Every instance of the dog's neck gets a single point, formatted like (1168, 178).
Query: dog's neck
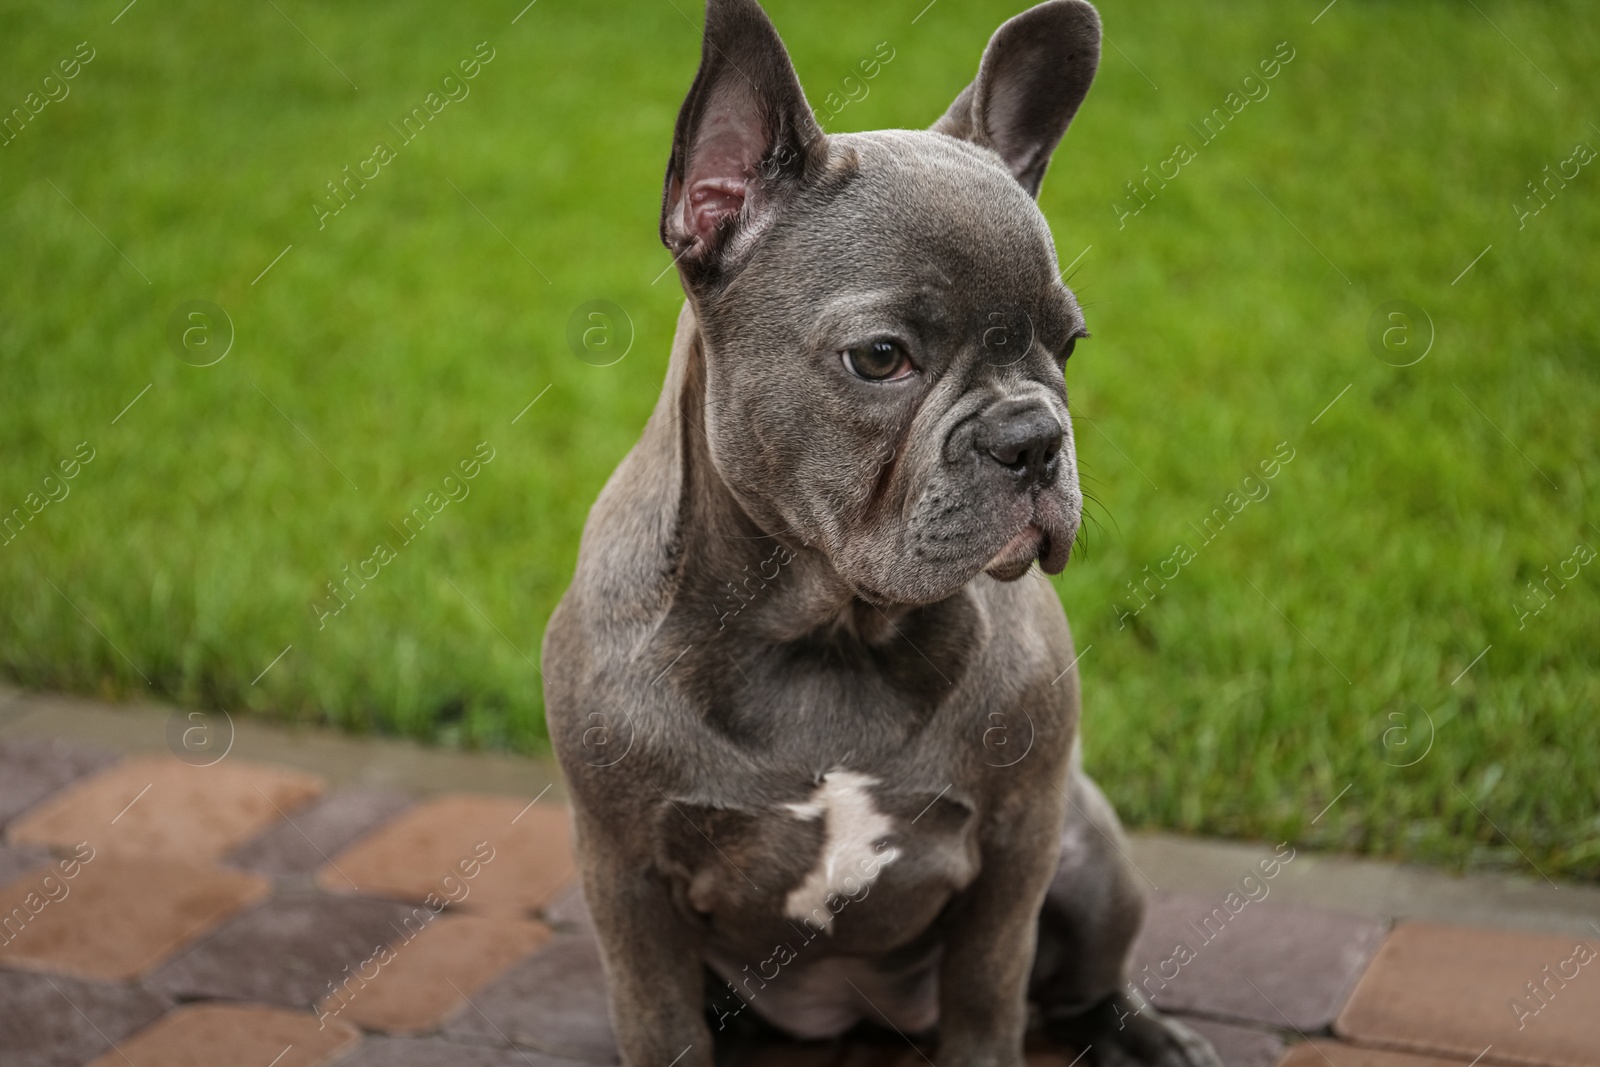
(738, 577)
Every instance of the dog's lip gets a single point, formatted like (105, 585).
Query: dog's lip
(1059, 519)
(1018, 555)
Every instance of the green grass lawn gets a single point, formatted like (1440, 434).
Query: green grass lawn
(1310, 645)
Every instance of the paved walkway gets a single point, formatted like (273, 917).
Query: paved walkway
(177, 889)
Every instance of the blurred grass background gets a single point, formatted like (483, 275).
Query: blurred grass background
(1277, 687)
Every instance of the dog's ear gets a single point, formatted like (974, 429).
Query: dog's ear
(745, 139)
(1034, 74)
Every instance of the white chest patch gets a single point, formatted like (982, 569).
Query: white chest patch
(851, 859)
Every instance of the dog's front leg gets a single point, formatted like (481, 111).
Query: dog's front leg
(653, 967)
(983, 977)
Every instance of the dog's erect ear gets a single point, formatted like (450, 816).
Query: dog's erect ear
(745, 139)
(1034, 74)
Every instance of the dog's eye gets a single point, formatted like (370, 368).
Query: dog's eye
(879, 361)
(1066, 350)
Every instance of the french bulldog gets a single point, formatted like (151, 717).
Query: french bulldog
(817, 712)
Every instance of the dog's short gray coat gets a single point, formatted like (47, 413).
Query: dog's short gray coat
(816, 711)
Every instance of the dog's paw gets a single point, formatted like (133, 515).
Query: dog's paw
(1115, 1033)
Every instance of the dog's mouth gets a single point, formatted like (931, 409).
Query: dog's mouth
(1033, 543)
(1042, 539)
(1013, 561)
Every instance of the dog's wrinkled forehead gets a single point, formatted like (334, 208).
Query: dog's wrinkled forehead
(915, 218)
(749, 162)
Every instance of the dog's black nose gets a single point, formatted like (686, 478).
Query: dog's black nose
(1023, 437)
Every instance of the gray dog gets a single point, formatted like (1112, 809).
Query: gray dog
(821, 742)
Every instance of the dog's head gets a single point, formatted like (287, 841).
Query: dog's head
(885, 327)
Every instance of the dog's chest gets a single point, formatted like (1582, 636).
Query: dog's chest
(855, 861)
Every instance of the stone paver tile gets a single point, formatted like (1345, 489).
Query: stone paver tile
(570, 910)
(56, 1021)
(435, 1052)
(115, 916)
(301, 843)
(32, 770)
(422, 980)
(18, 861)
(1200, 955)
(495, 856)
(1237, 1046)
(554, 1001)
(159, 804)
(1456, 989)
(205, 1035)
(289, 950)
(1325, 1053)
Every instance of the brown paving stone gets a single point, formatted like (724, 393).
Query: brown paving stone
(118, 915)
(554, 1001)
(1450, 990)
(435, 1052)
(56, 1021)
(287, 950)
(161, 805)
(438, 849)
(301, 843)
(1303, 961)
(204, 1035)
(32, 770)
(1324, 1053)
(21, 860)
(422, 980)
